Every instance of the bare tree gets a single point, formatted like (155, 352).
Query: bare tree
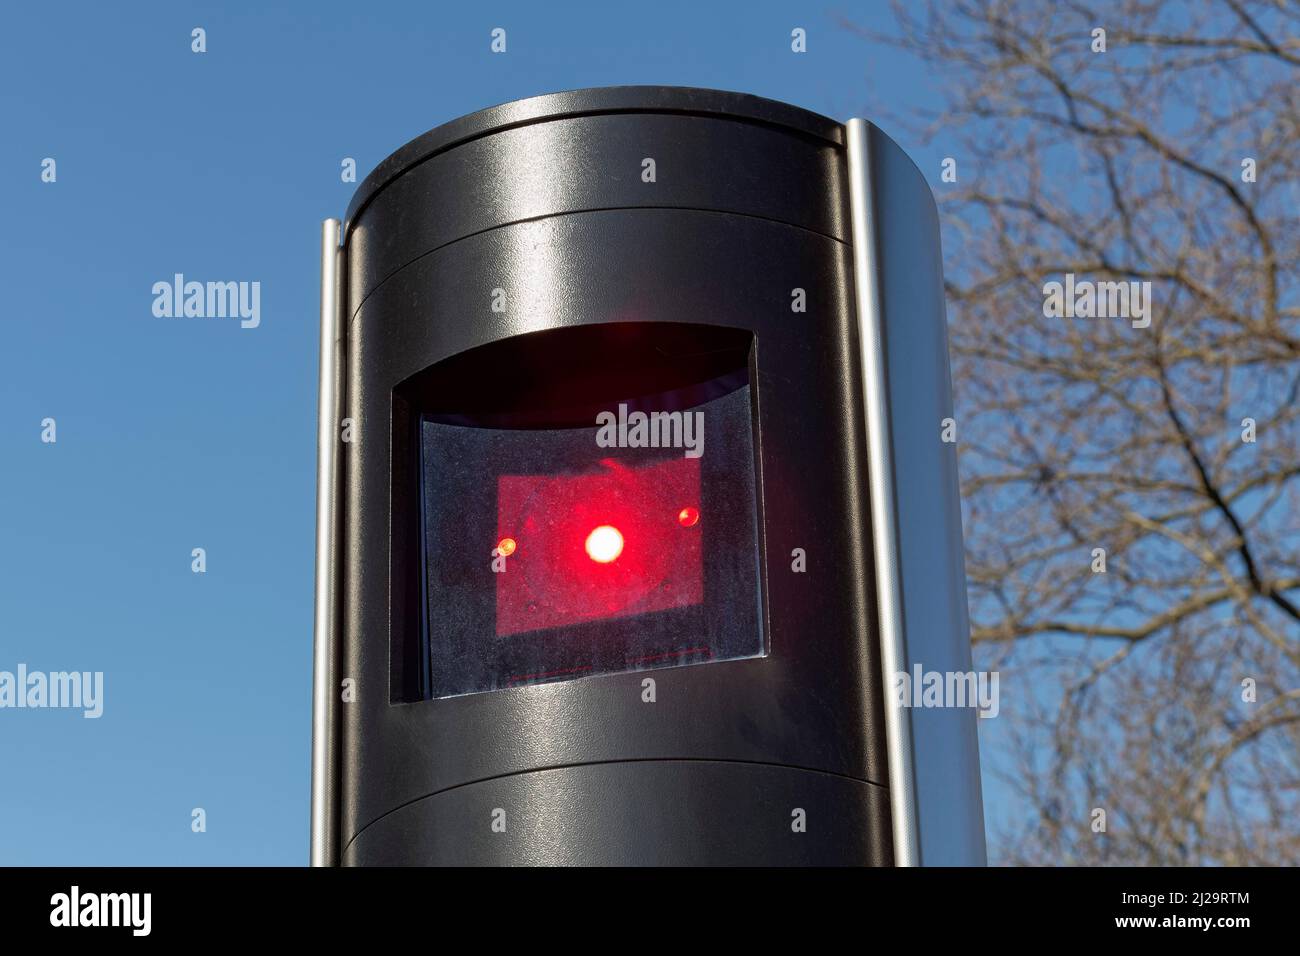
(1165, 690)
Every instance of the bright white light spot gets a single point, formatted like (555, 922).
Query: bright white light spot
(604, 544)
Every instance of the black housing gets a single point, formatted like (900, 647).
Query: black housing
(545, 199)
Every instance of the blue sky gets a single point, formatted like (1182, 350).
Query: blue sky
(177, 435)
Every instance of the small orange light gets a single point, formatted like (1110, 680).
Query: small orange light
(688, 517)
(604, 544)
(506, 547)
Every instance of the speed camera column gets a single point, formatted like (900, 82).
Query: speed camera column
(607, 590)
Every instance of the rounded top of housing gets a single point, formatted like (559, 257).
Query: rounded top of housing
(679, 100)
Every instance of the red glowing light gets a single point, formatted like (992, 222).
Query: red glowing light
(604, 544)
(559, 579)
(688, 517)
(506, 547)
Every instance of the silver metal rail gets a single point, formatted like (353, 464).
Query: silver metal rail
(934, 776)
(329, 412)
(893, 658)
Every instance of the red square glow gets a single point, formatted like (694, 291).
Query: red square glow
(614, 543)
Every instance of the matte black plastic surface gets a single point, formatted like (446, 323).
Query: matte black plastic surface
(594, 162)
(657, 813)
(672, 100)
(432, 260)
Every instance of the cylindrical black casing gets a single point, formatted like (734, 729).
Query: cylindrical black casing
(545, 199)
